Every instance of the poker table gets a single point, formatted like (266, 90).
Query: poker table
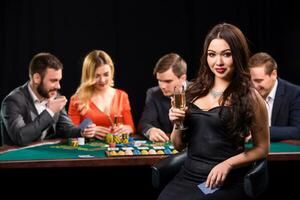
(284, 150)
(56, 153)
(53, 166)
(48, 162)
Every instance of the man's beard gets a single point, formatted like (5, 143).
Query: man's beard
(42, 91)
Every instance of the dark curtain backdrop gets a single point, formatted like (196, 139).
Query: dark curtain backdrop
(136, 34)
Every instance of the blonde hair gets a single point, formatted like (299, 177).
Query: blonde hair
(92, 61)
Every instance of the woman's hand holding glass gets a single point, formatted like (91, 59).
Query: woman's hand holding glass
(177, 116)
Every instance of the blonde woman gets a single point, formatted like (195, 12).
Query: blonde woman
(96, 98)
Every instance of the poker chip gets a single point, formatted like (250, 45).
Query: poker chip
(81, 141)
(125, 151)
(144, 152)
(160, 152)
(128, 152)
(168, 151)
(74, 143)
(152, 152)
(117, 148)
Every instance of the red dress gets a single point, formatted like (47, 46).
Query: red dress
(120, 106)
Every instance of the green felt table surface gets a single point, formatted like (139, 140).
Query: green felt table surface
(58, 151)
(51, 151)
(277, 147)
(93, 149)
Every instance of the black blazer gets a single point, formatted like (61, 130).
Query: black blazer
(156, 112)
(285, 119)
(21, 124)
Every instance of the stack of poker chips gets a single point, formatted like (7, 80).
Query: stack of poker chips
(117, 139)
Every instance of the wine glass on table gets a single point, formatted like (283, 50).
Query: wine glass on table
(180, 101)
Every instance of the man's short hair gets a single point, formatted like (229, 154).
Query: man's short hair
(41, 61)
(262, 58)
(171, 60)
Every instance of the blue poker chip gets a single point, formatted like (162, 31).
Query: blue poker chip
(136, 152)
(120, 145)
(131, 140)
(168, 151)
(129, 145)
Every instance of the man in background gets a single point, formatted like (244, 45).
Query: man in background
(35, 111)
(170, 70)
(282, 97)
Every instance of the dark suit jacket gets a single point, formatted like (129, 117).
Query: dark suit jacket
(285, 120)
(156, 112)
(21, 124)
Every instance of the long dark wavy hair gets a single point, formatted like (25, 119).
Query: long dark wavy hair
(238, 94)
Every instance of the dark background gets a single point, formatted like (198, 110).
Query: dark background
(136, 34)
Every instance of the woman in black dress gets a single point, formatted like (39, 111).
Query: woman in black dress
(223, 109)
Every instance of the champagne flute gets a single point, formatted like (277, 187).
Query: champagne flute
(179, 101)
(123, 137)
(117, 121)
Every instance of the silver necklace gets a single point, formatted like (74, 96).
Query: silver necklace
(215, 94)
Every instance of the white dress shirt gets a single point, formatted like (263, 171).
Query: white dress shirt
(40, 107)
(270, 100)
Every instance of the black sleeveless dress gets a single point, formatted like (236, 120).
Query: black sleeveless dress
(208, 143)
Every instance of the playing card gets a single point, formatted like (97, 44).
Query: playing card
(207, 190)
(85, 123)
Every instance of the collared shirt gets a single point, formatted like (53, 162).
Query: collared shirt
(185, 85)
(40, 107)
(270, 100)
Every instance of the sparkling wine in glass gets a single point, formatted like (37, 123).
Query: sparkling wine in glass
(179, 101)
